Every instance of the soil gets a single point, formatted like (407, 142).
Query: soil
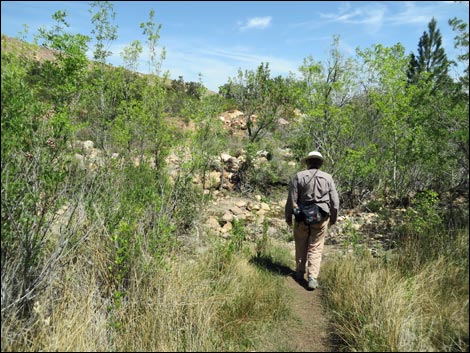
(310, 334)
(308, 331)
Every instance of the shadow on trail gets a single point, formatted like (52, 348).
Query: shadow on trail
(267, 263)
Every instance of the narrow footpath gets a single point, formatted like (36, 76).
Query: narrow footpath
(308, 331)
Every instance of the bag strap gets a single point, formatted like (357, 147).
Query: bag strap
(314, 182)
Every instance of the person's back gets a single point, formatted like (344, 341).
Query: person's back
(316, 186)
(311, 186)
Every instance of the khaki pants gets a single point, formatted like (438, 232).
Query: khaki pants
(308, 249)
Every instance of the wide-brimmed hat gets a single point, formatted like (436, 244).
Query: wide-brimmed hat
(312, 155)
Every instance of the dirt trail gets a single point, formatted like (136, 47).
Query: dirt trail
(307, 330)
(310, 331)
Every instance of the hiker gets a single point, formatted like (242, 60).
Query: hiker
(311, 188)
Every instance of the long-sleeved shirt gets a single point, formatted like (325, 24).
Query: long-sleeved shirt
(313, 186)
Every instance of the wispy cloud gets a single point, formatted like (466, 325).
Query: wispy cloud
(412, 14)
(218, 64)
(256, 23)
(372, 15)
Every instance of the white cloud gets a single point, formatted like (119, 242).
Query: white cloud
(371, 15)
(375, 15)
(257, 23)
(412, 15)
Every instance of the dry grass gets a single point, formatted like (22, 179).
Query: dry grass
(187, 305)
(380, 306)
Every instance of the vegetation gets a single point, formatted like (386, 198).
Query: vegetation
(414, 299)
(97, 243)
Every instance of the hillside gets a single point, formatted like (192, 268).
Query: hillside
(41, 53)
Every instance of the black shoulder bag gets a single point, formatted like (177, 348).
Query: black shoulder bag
(311, 214)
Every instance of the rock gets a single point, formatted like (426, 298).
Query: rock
(264, 206)
(227, 227)
(285, 153)
(232, 164)
(241, 203)
(234, 114)
(227, 217)
(263, 153)
(236, 210)
(261, 212)
(87, 145)
(225, 157)
(213, 180)
(213, 223)
(94, 153)
(260, 220)
(80, 159)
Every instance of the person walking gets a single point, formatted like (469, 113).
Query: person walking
(311, 187)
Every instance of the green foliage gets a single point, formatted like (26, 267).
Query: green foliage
(261, 243)
(104, 30)
(130, 55)
(259, 97)
(36, 182)
(424, 214)
(325, 100)
(122, 239)
(152, 32)
(65, 75)
(237, 237)
(461, 42)
(353, 238)
(431, 59)
(388, 67)
(18, 106)
(206, 143)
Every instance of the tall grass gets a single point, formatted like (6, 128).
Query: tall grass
(413, 300)
(217, 301)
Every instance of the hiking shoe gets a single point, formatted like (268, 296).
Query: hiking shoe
(312, 283)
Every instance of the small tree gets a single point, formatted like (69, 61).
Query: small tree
(105, 31)
(153, 128)
(259, 97)
(431, 60)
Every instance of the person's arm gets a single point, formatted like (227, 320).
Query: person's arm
(334, 203)
(290, 203)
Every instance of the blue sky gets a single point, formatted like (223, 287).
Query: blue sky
(216, 38)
